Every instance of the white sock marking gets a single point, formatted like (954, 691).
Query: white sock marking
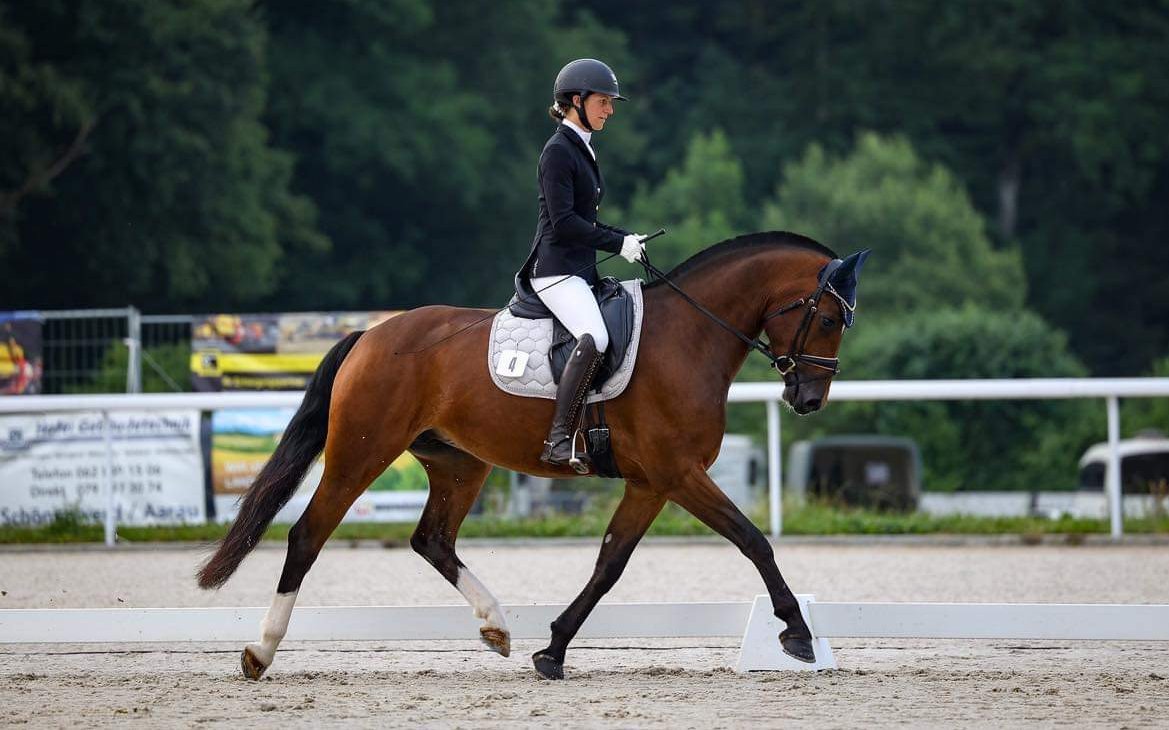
(485, 605)
(273, 627)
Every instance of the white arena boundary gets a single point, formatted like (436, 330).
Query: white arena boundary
(750, 620)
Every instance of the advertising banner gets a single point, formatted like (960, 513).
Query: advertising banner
(57, 462)
(21, 356)
(267, 351)
(242, 440)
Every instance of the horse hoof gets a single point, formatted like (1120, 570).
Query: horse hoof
(547, 666)
(798, 647)
(251, 665)
(497, 640)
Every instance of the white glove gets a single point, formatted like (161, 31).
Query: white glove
(632, 247)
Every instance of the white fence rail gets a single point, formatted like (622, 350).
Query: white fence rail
(1031, 621)
(750, 620)
(1109, 389)
(361, 623)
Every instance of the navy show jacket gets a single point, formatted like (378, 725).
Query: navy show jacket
(568, 234)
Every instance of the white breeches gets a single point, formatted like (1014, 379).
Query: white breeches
(573, 303)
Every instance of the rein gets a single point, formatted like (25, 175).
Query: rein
(785, 364)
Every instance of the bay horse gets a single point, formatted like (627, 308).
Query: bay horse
(368, 402)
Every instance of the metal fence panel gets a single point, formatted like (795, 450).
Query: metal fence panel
(115, 351)
(166, 352)
(85, 350)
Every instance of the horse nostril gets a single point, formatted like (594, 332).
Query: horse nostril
(812, 404)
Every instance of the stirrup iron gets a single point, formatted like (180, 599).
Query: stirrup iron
(579, 465)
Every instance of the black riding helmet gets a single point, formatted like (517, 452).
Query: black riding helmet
(585, 76)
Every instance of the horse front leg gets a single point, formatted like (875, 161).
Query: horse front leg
(697, 493)
(634, 515)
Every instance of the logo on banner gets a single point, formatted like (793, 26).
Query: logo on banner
(15, 438)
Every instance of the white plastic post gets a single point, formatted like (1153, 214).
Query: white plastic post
(761, 650)
(1112, 473)
(133, 342)
(774, 468)
(111, 519)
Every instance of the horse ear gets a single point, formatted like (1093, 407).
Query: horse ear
(850, 268)
(844, 279)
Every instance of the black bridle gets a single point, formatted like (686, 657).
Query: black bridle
(785, 364)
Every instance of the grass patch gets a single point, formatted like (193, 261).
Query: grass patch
(823, 519)
(809, 519)
(68, 529)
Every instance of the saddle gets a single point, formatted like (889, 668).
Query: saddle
(528, 348)
(617, 311)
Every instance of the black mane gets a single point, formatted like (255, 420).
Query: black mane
(751, 240)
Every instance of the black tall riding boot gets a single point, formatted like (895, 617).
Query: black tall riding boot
(570, 395)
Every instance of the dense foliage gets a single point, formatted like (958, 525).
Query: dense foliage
(930, 246)
(234, 155)
(135, 167)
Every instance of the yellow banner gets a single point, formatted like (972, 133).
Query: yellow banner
(268, 351)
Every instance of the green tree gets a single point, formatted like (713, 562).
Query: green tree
(1052, 115)
(930, 246)
(700, 201)
(417, 127)
(1147, 414)
(174, 198)
(165, 369)
(45, 122)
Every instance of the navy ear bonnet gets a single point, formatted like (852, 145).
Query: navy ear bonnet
(839, 277)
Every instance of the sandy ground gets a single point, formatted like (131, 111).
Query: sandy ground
(682, 683)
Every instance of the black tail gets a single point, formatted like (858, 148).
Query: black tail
(300, 445)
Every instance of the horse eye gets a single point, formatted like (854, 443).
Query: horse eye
(828, 322)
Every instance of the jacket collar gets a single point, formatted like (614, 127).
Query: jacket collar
(580, 131)
(575, 139)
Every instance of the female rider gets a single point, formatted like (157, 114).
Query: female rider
(568, 237)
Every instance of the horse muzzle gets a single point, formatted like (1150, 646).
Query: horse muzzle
(805, 398)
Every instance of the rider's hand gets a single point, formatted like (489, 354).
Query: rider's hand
(632, 247)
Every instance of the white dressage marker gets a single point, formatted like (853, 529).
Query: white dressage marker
(761, 650)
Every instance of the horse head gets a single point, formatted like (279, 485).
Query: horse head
(805, 334)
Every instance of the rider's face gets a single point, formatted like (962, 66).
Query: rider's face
(599, 108)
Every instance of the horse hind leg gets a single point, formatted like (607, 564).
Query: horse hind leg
(351, 465)
(455, 480)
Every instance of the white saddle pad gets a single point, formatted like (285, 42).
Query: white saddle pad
(517, 354)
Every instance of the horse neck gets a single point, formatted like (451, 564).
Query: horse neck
(737, 288)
